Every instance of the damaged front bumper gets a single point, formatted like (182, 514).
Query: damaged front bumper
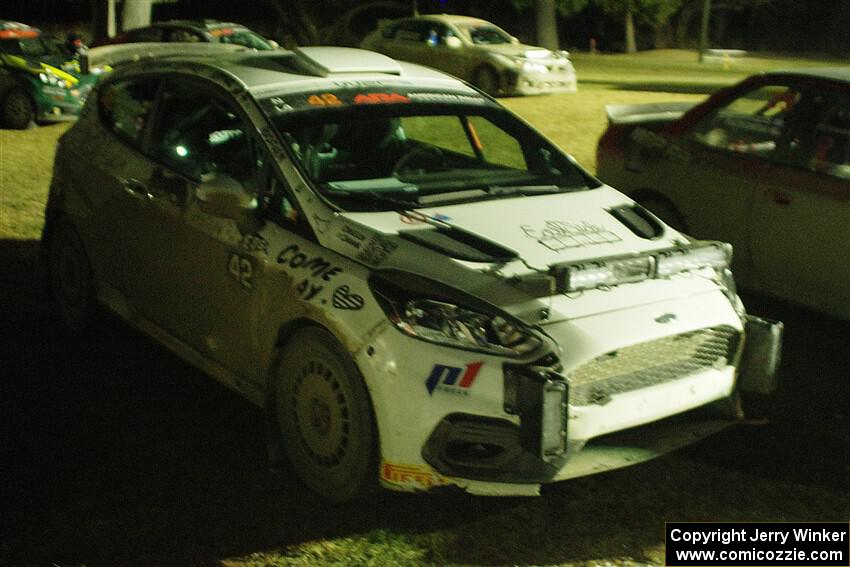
(492, 456)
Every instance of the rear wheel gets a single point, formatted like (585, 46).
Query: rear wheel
(325, 417)
(486, 79)
(71, 278)
(17, 110)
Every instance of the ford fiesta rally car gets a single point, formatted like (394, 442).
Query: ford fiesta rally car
(39, 78)
(418, 288)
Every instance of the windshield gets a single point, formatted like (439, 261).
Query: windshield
(486, 34)
(242, 37)
(387, 156)
(39, 46)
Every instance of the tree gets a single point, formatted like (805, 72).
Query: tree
(653, 13)
(316, 22)
(546, 12)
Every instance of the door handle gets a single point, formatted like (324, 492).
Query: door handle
(136, 188)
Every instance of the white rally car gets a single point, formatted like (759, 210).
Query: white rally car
(417, 287)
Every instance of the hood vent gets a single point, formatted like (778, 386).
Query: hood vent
(639, 221)
(459, 244)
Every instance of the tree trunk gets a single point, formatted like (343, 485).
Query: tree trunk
(631, 44)
(103, 18)
(547, 26)
(136, 14)
(703, 33)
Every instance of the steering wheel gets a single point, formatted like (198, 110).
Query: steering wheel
(429, 155)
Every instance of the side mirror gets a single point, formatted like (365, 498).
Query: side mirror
(514, 40)
(225, 197)
(453, 42)
(273, 43)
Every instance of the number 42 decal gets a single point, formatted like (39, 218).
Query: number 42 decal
(242, 270)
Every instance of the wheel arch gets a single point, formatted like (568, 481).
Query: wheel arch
(285, 333)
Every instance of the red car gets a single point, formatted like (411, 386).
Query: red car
(764, 164)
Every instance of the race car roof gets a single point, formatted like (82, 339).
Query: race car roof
(268, 73)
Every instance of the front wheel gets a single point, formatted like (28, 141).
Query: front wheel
(17, 109)
(325, 417)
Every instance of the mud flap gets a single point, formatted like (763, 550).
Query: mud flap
(762, 353)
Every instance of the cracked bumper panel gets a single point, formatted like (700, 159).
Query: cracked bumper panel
(443, 413)
(686, 358)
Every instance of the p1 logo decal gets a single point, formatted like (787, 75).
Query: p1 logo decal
(446, 378)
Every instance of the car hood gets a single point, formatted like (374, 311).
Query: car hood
(520, 50)
(540, 230)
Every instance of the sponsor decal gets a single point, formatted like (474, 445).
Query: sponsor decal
(413, 476)
(452, 379)
(560, 235)
(280, 106)
(445, 97)
(351, 236)
(343, 299)
(317, 270)
(412, 217)
(254, 243)
(380, 98)
(376, 250)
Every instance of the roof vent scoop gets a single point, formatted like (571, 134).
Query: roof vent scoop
(324, 61)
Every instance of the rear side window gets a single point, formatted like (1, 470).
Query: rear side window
(125, 107)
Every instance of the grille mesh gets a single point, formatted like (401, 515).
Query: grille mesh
(650, 363)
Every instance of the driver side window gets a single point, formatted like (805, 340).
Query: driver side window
(202, 136)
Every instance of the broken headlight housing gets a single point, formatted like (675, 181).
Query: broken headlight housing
(456, 326)
(436, 313)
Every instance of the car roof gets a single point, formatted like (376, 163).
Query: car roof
(838, 74)
(268, 73)
(204, 24)
(17, 30)
(452, 19)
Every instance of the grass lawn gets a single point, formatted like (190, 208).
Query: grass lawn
(198, 495)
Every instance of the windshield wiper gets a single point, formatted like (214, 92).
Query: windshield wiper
(400, 200)
(500, 190)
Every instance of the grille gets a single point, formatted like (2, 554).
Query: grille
(650, 363)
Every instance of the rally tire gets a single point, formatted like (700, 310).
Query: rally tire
(17, 110)
(70, 277)
(325, 417)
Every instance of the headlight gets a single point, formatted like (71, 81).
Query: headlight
(50, 79)
(533, 67)
(455, 326)
(715, 255)
(608, 272)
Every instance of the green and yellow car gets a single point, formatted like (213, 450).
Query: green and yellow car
(40, 80)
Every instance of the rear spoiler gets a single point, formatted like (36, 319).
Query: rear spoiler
(657, 112)
(120, 54)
